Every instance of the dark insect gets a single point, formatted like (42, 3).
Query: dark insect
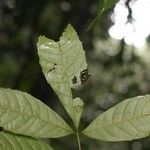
(74, 80)
(52, 69)
(84, 75)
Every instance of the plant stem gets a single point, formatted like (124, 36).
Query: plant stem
(78, 139)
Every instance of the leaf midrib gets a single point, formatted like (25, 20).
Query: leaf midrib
(72, 110)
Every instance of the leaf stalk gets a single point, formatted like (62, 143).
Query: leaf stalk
(78, 140)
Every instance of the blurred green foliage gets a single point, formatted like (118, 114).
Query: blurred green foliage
(117, 71)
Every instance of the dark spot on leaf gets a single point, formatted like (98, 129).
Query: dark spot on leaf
(74, 80)
(84, 75)
(53, 68)
(1, 129)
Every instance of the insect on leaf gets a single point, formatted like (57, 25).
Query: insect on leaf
(64, 65)
(23, 114)
(126, 121)
(9, 141)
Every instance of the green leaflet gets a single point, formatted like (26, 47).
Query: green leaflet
(64, 65)
(10, 141)
(128, 120)
(23, 114)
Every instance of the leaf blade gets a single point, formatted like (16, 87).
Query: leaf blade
(21, 113)
(126, 121)
(64, 65)
(16, 142)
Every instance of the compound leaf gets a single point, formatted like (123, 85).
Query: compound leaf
(23, 114)
(64, 65)
(128, 120)
(10, 141)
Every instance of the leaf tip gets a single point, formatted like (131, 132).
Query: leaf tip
(69, 28)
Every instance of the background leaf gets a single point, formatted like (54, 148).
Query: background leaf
(10, 141)
(64, 65)
(126, 121)
(104, 5)
(22, 113)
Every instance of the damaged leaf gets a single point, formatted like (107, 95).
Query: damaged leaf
(64, 65)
